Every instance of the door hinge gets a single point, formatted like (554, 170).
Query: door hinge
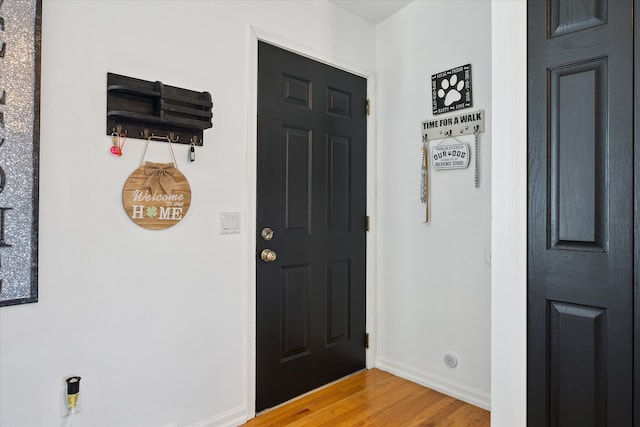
(368, 107)
(366, 340)
(367, 223)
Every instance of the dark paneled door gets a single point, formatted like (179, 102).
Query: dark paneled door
(312, 196)
(581, 217)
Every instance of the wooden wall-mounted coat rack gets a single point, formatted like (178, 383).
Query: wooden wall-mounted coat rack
(135, 106)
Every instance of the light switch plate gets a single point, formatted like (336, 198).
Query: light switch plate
(229, 222)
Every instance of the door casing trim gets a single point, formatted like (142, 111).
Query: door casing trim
(256, 34)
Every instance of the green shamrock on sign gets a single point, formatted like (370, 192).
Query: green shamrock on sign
(152, 211)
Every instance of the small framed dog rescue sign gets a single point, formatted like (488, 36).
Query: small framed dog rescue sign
(451, 89)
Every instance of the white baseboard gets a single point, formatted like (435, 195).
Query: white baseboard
(231, 418)
(436, 382)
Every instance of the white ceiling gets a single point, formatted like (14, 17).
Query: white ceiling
(374, 11)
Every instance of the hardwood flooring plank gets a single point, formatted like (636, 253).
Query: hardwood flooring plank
(361, 400)
(378, 399)
(310, 403)
(439, 413)
(391, 405)
(374, 398)
(466, 416)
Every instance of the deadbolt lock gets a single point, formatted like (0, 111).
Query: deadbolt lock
(267, 234)
(268, 255)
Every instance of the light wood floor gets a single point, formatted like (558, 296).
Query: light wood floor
(374, 398)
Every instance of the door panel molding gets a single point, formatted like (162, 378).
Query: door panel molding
(294, 318)
(297, 179)
(578, 155)
(577, 339)
(337, 288)
(569, 17)
(338, 207)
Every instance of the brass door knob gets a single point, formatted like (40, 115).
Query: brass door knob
(268, 255)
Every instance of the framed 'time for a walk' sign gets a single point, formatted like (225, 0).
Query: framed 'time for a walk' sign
(20, 26)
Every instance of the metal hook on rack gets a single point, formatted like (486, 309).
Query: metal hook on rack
(149, 136)
(118, 129)
(169, 138)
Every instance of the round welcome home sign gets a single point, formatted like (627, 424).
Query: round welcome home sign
(156, 196)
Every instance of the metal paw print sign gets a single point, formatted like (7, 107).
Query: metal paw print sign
(156, 196)
(451, 89)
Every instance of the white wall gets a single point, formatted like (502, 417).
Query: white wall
(509, 207)
(157, 323)
(434, 285)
